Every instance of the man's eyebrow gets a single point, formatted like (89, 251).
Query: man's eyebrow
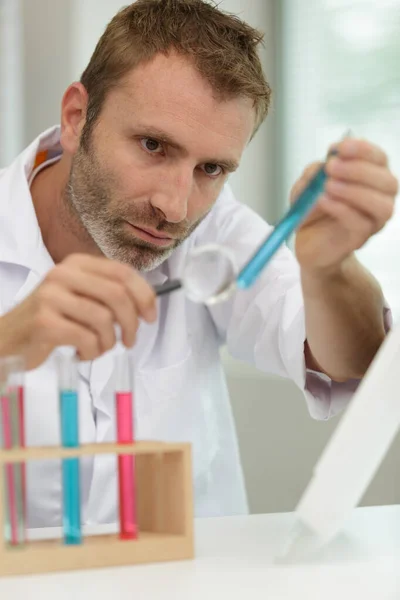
(229, 165)
(162, 136)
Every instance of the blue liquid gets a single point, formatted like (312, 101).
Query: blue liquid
(70, 468)
(282, 231)
(71, 501)
(69, 418)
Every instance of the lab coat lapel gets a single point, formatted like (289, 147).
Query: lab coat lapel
(100, 383)
(21, 240)
(32, 281)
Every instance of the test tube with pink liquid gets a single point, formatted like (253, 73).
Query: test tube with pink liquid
(125, 435)
(12, 435)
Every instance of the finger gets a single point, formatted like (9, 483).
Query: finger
(143, 295)
(356, 226)
(57, 330)
(140, 291)
(364, 173)
(332, 150)
(362, 150)
(375, 205)
(89, 313)
(110, 293)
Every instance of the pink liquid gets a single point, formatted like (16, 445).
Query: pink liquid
(21, 414)
(9, 470)
(126, 467)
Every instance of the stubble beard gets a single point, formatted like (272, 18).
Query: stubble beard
(91, 217)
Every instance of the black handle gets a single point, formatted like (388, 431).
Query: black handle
(167, 287)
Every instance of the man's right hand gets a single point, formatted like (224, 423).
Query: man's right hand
(78, 304)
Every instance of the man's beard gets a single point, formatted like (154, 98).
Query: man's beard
(99, 217)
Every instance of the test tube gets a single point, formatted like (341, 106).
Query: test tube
(12, 434)
(125, 435)
(68, 396)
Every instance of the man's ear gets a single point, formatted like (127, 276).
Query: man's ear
(73, 116)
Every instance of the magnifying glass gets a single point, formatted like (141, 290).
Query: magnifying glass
(211, 274)
(208, 276)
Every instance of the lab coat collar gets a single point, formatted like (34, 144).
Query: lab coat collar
(21, 240)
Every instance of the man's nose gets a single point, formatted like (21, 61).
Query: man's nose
(173, 194)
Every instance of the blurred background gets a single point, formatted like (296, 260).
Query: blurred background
(333, 65)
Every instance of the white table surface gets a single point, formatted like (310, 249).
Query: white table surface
(235, 559)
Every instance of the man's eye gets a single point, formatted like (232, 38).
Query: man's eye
(212, 170)
(152, 146)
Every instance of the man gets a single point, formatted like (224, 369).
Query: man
(136, 177)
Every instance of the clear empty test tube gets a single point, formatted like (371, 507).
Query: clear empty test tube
(12, 435)
(68, 398)
(125, 435)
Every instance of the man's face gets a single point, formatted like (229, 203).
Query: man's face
(158, 157)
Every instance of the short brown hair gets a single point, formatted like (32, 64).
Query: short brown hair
(222, 47)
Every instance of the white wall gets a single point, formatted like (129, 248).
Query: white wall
(254, 182)
(11, 77)
(48, 42)
(90, 18)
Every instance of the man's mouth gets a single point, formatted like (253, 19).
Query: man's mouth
(154, 237)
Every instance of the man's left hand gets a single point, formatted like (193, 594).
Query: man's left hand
(357, 203)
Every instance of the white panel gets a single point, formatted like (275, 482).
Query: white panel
(11, 91)
(253, 184)
(91, 18)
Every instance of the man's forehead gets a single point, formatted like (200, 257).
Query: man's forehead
(171, 85)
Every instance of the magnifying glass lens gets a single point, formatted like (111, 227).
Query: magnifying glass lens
(209, 274)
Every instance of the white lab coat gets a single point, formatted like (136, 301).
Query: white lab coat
(180, 387)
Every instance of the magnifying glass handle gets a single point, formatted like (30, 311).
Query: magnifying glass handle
(167, 287)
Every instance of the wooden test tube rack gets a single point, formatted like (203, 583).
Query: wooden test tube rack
(164, 513)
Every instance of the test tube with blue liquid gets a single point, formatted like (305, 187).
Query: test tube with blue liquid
(68, 398)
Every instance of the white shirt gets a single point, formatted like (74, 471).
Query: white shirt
(180, 388)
